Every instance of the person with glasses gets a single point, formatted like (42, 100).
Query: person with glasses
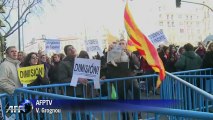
(30, 60)
(8, 71)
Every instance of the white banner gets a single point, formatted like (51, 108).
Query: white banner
(52, 46)
(158, 38)
(93, 46)
(115, 53)
(88, 69)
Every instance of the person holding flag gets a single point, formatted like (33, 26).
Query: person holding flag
(143, 45)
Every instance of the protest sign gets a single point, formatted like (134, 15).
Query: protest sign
(28, 75)
(88, 69)
(93, 46)
(115, 53)
(158, 38)
(52, 45)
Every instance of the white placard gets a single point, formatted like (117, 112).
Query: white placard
(114, 53)
(88, 69)
(93, 46)
(158, 38)
(52, 46)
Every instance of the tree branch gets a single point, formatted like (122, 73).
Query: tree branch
(10, 11)
(7, 22)
(25, 20)
(4, 2)
(3, 30)
(13, 27)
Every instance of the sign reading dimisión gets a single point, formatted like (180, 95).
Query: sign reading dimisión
(28, 74)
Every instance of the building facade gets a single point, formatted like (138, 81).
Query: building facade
(182, 25)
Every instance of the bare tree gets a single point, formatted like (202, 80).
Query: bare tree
(27, 7)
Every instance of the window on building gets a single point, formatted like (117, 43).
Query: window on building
(160, 16)
(172, 17)
(168, 24)
(191, 17)
(173, 24)
(161, 23)
(167, 17)
(187, 17)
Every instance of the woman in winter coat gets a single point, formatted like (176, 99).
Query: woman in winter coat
(30, 60)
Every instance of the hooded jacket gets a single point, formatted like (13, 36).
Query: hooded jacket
(189, 61)
(9, 76)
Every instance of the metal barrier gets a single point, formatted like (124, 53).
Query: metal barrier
(23, 94)
(202, 78)
(3, 101)
(192, 97)
(127, 88)
(155, 113)
(206, 71)
(128, 84)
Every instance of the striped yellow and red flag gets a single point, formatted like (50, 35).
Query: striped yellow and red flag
(130, 46)
(143, 45)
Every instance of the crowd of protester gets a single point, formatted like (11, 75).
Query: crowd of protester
(187, 57)
(59, 67)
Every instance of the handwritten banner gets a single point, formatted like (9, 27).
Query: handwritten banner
(158, 38)
(29, 74)
(52, 45)
(93, 46)
(88, 69)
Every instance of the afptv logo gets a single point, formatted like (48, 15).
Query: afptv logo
(25, 107)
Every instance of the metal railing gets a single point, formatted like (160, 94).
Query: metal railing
(196, 103)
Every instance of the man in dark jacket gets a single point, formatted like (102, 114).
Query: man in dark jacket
(208, 58)
(54, 68)
(189, 60)
(65, 69)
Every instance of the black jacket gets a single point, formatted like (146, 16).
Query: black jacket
(65, 70)
(208, 60)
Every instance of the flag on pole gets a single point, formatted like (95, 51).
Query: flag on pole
(143, 45)
(130, 46)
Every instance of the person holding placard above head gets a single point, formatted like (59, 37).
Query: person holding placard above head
(65, 69)
(32, 60)
(123, 63)
(8, 71)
